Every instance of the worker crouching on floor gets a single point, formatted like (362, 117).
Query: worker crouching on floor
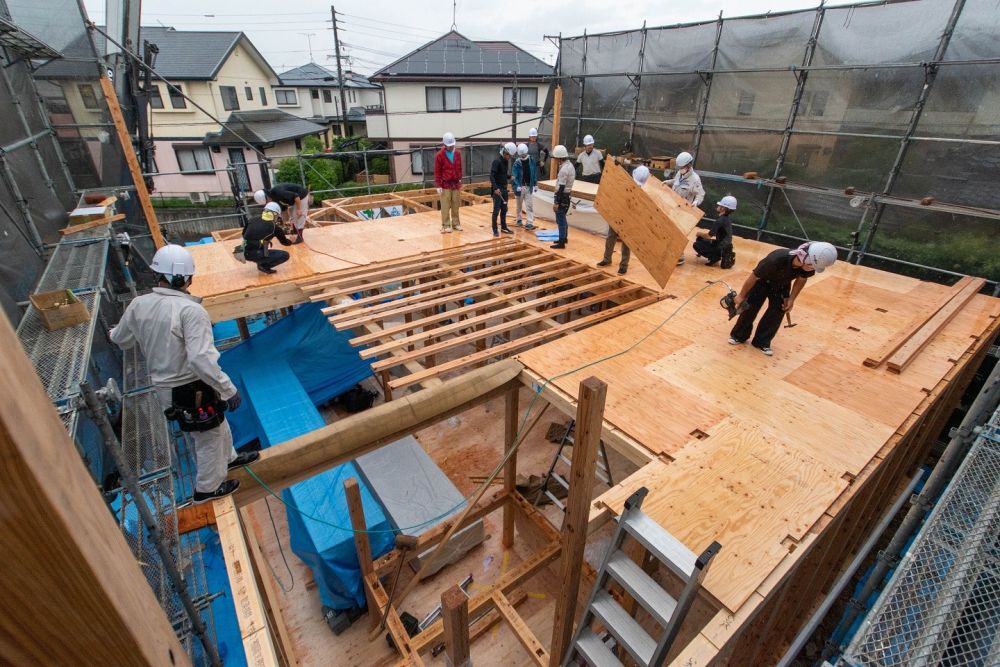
(257, 240)
(448, 179)
(640, 175)
(716, 243)
(174, 333)
(294, 201)
(564, 187)
(778, 279)
(499, 175)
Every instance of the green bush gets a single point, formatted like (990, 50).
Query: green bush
(320, 175)
(378, 165)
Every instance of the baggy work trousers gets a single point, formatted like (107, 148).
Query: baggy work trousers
(769, 324)
(609, 249)
(562, 223)
(451, 201)
(213, 450)
(499, 208)
(525, 200)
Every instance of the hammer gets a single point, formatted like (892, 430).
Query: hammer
(788, 316)
(404, 543)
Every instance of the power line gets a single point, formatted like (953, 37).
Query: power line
(398, 25)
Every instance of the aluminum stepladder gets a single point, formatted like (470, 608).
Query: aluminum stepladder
(603, 468)
(668, 613)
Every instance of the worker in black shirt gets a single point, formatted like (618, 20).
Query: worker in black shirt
(257, 239)
(499, 177)
(717, 242)
(294, 201)
(778, 279)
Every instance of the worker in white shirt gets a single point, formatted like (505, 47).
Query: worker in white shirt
(591, 161)
(174, 333)
(687, 183)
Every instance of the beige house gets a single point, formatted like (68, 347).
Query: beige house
(454, 84)
(312, 92)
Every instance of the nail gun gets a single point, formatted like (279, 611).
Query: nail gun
(729, 303)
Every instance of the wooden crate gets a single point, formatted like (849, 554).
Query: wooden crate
(60, 309)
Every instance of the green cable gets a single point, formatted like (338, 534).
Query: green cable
(499, 467)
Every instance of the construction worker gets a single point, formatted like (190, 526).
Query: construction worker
(716, 243)
(687, 183)
(524, 177)
(257, 238)
(564, 188)
(448, 179)
(640, 175)
(591, 161)
(174, 333)
(538, 152)
(294, 200)
(499, 175)
(778, 278)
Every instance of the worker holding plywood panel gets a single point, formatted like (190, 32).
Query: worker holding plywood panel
(687, 183)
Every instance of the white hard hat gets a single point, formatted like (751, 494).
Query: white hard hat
(173, 260)
(522, 149)
(510, 148)
(260, 197)
(728, 201)
(821, 255)
(273, 207)
(641, 174)
(533, 132)
(588, 140)
(560, 152)
(683, 159)
(448, 139)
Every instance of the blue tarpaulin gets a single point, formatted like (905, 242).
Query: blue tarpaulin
(319, 356)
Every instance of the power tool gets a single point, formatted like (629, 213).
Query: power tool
(729, 303)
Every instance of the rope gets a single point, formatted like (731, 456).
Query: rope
(537, 392)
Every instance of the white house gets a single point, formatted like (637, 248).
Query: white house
(312, 92)
(454, 84)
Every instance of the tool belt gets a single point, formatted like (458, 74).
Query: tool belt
(196, 406)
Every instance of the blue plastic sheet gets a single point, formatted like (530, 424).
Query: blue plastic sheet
(323, 361)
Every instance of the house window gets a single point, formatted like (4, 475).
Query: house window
(745, 105)
(248, 91)
(286, 98)
(177, 100)
(229, 100)
(527, 99)
(443, 99)
(353, 98)
(421, 154)
(327, 97)
(263, 96)
(315, 93)
(194, 159)
(814, 103)
(155, 100)
(88, 95)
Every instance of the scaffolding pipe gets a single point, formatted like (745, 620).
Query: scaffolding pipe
(583, 85)
(31, 139)
(845, 578)
(706, 78)
(918, 110)
(638, 89)
(129, 481)
(958, 446)
(22, 204)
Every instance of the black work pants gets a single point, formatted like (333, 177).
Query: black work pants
(268, 259)
(769, 324)
(708, 249)
(499, 208)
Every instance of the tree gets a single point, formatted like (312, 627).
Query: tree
(322, 175)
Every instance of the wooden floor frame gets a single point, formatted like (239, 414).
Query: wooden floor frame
(477, 295)
(346, 209)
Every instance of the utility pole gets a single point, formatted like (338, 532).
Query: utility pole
(340, 75)
(513, 111)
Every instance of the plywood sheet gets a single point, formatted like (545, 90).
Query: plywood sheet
(653, 220)
(581, 189)
(742, 486)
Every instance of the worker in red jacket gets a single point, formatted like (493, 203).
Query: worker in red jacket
(448, 179)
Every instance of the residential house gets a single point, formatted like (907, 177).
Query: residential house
(454, 84)
(312, 92)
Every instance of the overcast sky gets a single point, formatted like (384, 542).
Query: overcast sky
(376, 32)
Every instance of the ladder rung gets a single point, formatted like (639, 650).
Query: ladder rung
(593, 650)
(662, 544)
(641, 587)
(601, 475)
(564, 459)
(625, 628)
(555, 501)
(560, 480)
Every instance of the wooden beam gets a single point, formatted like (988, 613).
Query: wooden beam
(455, 616)
(356, 510)
(310, 454)
(521, 630)
(416, 206)
(231, 305)
(243, 328)
(400, 637)
(510, 468)
(257, 641)
(72, 590)
(526, 342)
(125, 139)
(556, 126)
(503, 327)
(909, 350)
(93, 223)
(927, 311)
(589, 416)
